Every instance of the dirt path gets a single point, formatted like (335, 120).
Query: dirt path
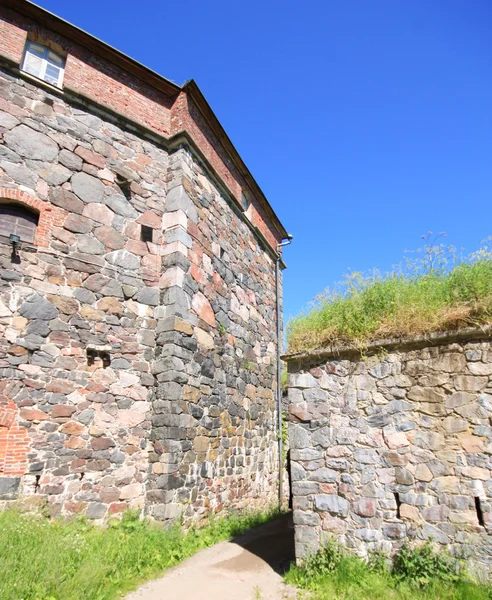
(246, 568)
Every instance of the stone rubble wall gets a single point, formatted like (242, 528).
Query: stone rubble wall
(91, 284)
(183, 417)
(394, 448)
(215, 418)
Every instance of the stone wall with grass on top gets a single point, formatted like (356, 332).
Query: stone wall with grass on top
(395, 446)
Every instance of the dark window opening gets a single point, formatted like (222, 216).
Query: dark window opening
(478, 508)
(245, 202)
(95, 356)
(398, 504)
(146, 233)
(17, 220)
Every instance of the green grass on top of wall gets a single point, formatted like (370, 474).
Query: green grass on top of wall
(434, 291)
(43, 559)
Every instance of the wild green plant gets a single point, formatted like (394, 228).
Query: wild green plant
(436, 289)
(334, 573)
(421, 565)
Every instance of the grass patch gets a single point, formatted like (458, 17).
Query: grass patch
(436, 291)
(417, 572)
(42, 559)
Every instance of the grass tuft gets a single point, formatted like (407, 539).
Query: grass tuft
(417, 572)
(436, 291)
(42, 559)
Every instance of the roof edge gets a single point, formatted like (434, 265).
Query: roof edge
(91, 42)
(94, 44)
(192, 88)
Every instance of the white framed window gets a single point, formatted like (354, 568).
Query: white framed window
(42, 62)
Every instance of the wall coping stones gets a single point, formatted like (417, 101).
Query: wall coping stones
(301, 359)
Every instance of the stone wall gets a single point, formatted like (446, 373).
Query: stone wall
(182, 417)
(215, 418)
(394, 447)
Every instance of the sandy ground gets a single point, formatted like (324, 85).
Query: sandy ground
(246, 568)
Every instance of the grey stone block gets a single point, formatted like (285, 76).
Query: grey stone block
(178, 199)
(120, 205)
(9, 488)
(332, 503)
(87, 187)
(31, 144)
(36, 307)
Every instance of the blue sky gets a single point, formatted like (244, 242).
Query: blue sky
(367, 123)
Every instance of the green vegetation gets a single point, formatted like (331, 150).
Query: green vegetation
(417, 572)
(435, 291)
(42, 559)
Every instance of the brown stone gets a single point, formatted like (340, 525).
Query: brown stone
(72, 428)
(33, 414)
(409, 512)
(151, 219)
(191, 394)
(203, 309)
(91, 157)
(99, 213)
(87, 312)
(67, 306)
(204, 338)
(111, 305)
(62, 410)
(75, 443)
(201, 443)
(471, 443)
(102, 443)
(183, 326)
(111, 238)
(395, 459)
(423, 473)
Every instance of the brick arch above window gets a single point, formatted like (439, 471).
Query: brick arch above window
(49, 216)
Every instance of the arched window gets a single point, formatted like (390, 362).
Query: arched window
(16, 219)
(42, 62)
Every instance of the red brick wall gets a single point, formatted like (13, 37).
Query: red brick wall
(14, 440)
(110, 86)
(186, 116)
(12, 41)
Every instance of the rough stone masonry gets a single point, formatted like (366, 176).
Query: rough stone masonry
(395, 447)
(136, 370)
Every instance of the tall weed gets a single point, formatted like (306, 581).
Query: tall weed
(417, 572)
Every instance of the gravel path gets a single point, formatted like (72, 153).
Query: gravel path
(246, 568)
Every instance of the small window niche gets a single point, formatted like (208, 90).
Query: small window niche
(245, 203)
(98, 357)
(479, 511)
(146, 233)
(43, 63)
(18, 220)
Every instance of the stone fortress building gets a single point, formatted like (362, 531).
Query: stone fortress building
(137, 287)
